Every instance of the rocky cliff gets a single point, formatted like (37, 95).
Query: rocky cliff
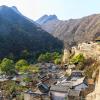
(74, 31)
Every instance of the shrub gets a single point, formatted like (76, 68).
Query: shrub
(77, 59)
(34, 69)
(57, 61)
(50, 57)
(22, 65)
(7, 66)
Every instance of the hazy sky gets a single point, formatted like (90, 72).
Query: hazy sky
(64, 9)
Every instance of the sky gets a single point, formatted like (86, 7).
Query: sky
(64, 9)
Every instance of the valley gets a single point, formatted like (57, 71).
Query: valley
(49, 59)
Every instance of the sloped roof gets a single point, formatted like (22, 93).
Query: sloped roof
(73, 93)
(59, 88)
(78, 81)
(65, 89)
(73, 82)
(67, 83)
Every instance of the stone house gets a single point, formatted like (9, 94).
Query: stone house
(59, 92)
(36, 96)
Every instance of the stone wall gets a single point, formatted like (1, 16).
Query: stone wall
(66, 56)
(95, 95)
(88, 50)
(36, 97)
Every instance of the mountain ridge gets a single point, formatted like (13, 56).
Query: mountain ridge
(74, 31)
(18, 33)
(45, 18)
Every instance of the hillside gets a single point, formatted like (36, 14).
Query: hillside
(74, 31)
(19, 33)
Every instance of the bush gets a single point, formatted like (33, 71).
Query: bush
(11, 88)
(27, 79)
(77, 59)
(50, 57)
(7, 66)
(34, 69)
(57, 61)
(44, 57)
(22, 65)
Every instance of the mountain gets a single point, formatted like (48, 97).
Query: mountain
(46, 18)
(18, 33)
(15, 9)
(74, 31)
(48, 22)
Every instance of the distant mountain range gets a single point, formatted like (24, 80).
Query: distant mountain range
(72, 31)
(19, 33)
(45, 19)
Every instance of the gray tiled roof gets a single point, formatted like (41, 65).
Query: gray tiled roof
(65, 89)
(73, 93)
(59, 88)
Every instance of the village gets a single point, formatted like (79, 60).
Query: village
(64, 81)
(49, 49)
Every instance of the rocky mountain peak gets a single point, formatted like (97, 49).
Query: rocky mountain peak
(46, 18)
(4, 8)
(15, 9)
(52, 17)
